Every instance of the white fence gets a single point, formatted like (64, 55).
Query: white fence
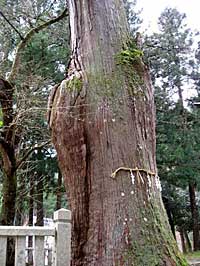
(60, 232)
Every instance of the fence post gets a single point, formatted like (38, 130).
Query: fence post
(62, 220)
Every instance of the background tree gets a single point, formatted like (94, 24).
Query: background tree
(177, 204)
(28, 69)
(172, 62)
(21, 83)
(133, 16)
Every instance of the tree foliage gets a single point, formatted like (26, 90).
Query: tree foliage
(133, 16)
(174, 66)
(32, 60)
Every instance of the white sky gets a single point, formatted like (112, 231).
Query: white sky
(153, 8)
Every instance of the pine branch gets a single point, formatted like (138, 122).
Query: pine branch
(27, 37)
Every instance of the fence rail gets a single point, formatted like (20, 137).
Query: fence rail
(61, 233)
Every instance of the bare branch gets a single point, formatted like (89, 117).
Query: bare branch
(15, 29)
(30, 151)
(27, 37)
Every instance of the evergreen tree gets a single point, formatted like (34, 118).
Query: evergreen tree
(133, 16)
(171, 60)
(28, 61)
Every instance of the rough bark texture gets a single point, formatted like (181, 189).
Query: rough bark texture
(183, 244)
(102, 118)
(8, 140)
(195, 216)
(59, 192)
(169, 215)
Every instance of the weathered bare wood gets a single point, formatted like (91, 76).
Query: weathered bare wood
(3, 245)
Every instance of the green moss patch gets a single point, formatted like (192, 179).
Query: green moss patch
(129, 55)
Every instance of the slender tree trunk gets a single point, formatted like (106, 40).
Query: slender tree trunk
(31, 201)
(185, 241)
(18, 212)
(8, 200)
(188, 243)
(102, 118)
(169, 215)
(19, 209)
(183, 244)
(30, 219)
(195, 216)
(39, 200)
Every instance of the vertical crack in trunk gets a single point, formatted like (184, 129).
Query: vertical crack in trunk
(82, 234)
(67, 112)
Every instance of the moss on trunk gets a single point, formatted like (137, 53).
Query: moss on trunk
(104, 125)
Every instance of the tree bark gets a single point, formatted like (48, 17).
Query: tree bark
(7, 151)
(183, 244)
(195, 216)
(8, 200)
(188, 243)
(103, 128)
(169, 215)
(31, 200)
(185, 241)
(59, 192)
(30, 219)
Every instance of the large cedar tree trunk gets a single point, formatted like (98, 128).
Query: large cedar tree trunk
(195, 216)
(102, 118)
(59, 192)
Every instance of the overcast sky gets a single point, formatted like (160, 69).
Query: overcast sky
(153, 8)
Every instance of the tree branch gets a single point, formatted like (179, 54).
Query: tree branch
(15, 29)
(28, 153)
(27, 37)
